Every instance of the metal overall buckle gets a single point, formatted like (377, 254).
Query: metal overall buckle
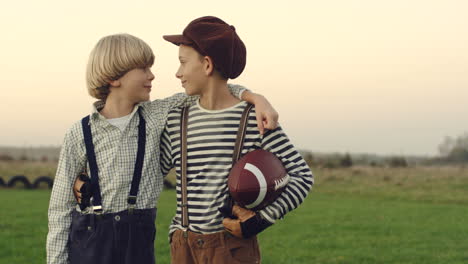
(131, 203)
(97, 210)
(185, 232)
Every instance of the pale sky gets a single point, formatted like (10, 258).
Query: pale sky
(386, 77)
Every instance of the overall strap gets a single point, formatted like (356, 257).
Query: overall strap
(241, 134)
(88, 139)
(183, 168)
(238, 147)
(132, 197)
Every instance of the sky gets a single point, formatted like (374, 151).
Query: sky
(367, 76)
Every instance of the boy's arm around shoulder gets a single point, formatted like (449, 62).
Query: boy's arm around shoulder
(182, 99)
(266, 115)
(166, 152)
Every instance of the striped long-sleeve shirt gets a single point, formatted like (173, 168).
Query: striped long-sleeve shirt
(211, 137)
(115, 156)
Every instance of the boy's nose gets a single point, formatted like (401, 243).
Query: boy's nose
(178, 73)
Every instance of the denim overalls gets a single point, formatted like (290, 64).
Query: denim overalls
(119, 238)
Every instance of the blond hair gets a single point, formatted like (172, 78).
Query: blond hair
(111, 58)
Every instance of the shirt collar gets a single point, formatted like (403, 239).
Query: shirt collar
(99, 105)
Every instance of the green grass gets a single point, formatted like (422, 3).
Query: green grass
(351, 229)
(23, 225)
(361, 215)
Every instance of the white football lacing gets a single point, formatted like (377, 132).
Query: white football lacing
(280, 183)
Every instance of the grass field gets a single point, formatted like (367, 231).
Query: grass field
(357, 215)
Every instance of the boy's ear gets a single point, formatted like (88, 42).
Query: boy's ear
(114, 83)
(208, 65)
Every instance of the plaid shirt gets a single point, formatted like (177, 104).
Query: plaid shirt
(115, 156)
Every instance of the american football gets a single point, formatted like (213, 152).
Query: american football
(257, 179)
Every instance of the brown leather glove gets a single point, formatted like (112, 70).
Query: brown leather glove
(247, 224)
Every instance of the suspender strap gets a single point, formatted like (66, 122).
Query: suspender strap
(241, 134)
(88, 138)
(132, 197)
(183, 156)
(183, 167)
(138, 163)
(238, 147)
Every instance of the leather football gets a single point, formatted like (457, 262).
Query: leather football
(257, 179)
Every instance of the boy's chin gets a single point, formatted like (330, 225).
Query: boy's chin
(143, 98)
(191, 92)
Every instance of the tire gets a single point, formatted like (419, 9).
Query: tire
(43, 179)
(2, 183)
(21, 179)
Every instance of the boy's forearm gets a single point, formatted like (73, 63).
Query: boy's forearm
(59, 217)
(251, 97)
(165, 160)
(267, 117)
(236, 90)
(175, 101)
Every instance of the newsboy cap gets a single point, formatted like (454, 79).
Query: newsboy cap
(213, 37)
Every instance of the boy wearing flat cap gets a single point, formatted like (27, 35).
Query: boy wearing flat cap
(118, 145)
(199, 141)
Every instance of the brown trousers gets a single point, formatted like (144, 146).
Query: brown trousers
(217, 248)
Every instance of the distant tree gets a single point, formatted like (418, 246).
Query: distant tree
(44, 158)
(458, 154)
(6, 157)
(455, 149)
(346, 161)
(396, 162)
(329, 164)
(446, 146)
(309, 158)
(331, 161)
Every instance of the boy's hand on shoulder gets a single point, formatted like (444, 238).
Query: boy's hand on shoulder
(267, 117)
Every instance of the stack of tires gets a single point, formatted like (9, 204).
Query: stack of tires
(22, 181)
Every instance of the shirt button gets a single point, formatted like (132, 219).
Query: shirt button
(117, 218)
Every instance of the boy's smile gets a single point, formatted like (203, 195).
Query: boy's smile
(136, 84)
(191, 70)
